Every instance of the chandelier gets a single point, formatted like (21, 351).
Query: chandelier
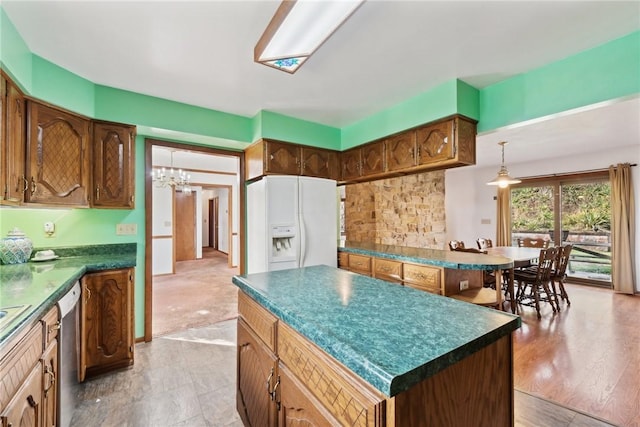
(179, 181)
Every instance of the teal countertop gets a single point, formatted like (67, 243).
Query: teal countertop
(435, 257)
(39, 285)
(390, 335)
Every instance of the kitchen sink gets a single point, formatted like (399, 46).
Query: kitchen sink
(9, 314)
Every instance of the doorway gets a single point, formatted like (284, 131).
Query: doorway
(206, 167)
(214, 205)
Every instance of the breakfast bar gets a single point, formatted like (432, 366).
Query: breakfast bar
(344, 349)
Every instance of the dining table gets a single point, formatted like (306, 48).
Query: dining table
(521, 257)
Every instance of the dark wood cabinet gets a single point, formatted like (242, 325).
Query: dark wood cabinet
(401, 151)
(298, 407)
(106, 322)
(58, 156)
(318, 162)
(13, 140)
(282, 158)
(113, 165)
(350, 161)
(447, 143)
(49, 385)
(257, 378)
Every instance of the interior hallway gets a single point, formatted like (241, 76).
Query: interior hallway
(198, 294)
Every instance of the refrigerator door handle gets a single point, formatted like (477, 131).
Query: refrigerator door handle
(303, 240)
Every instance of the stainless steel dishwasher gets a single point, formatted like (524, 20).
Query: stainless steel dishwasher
(68, 354)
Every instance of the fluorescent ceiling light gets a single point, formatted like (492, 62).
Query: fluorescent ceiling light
(298, 28)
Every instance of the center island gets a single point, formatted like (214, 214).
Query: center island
(324, 346)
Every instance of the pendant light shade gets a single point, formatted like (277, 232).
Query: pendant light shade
(503, 180)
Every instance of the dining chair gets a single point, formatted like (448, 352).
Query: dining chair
(536, 281)
(454, 244)
(529, 242)
(484, 243)
(559, 272)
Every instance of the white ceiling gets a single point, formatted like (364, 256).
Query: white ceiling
(201, 53)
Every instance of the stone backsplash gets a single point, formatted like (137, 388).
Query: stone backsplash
(404, 211)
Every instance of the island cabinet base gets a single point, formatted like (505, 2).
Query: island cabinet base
(476, 391)
(290, 381)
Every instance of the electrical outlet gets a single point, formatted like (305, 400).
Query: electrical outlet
(49, 228)
(464, 284)
(126, 229)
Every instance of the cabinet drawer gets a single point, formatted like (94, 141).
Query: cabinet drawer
(19, 362)
(360, 264)
(423, 277)
(343, 260)
(260, 320)
(347, 398)
(386, 269)
(51, 324)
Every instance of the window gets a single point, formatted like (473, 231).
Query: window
(566, 209)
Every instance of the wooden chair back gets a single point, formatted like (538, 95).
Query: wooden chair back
(455, 244)
(562, 260)
(472, 250)
(546, 261)
(484, 243)
(528, 242)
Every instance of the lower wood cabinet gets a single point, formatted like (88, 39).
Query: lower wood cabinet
(29, 375)
(388, 270)
(291, 382)
(423, 277)
(360, 264)
(106, 322)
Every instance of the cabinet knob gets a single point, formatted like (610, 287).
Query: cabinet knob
(34, 186)
(97, 193)
(269, 384)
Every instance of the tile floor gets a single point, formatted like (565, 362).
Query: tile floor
(188, 379)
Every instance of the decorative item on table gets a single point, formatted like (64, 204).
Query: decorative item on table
(44, 256)
(16, 248)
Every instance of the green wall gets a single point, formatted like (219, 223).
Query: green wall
(607, 72)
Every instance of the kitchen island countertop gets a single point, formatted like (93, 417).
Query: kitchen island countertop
(391, 336)
(436, 257)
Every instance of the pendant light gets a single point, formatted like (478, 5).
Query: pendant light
(503, 180)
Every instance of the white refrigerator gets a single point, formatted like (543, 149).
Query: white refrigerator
(291, 222)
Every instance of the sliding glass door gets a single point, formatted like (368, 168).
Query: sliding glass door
(570, 209)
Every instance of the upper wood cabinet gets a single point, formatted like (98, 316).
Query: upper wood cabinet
(12, 142)
(58, 156)
(363, 161)
(269, 157)
(447, 143)
(106, 322)
(113, 165)
(401, 151)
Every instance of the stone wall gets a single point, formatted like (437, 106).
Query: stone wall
(403, 211)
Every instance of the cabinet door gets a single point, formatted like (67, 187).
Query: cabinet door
(388, 270)
(401, 151)
(350, 164)
(3, 139)
(282, 158)
(24, 409)
(298, 407)
(49, 385)
(373, 158)
(318, 162)
(57, 156)
(113, 165)
(106, 322)
(14, 151)
(422, 277)
(257, 376)
(360, 264)
(436, 142)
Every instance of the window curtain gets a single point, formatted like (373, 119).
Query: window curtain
(622, 229)
(503, 221)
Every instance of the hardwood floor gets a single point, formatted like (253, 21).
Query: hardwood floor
(585, 357)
